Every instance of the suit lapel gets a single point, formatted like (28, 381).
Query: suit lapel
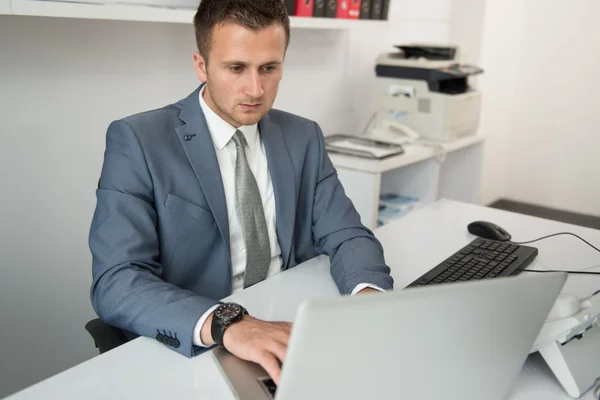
(282, 174)
(199, 148)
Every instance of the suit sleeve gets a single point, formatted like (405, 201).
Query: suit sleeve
(356, 255)
(127, 290)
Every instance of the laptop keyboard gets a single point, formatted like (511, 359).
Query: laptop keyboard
(270, 385)
(480, 259)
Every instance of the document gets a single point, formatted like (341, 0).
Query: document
(361, 146)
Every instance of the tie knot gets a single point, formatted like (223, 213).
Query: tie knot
(239, 139)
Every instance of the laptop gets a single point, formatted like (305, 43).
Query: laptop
(458, 341)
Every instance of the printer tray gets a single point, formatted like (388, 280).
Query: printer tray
(361, 147)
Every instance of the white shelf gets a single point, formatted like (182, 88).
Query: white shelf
(100, 11)
(148, 13)
(412, 155)
(459, 143)
(4, 7)
(331, 23)
(425, 171)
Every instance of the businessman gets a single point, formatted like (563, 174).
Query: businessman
(218, 192)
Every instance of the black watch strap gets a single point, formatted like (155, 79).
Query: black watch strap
(219, 325)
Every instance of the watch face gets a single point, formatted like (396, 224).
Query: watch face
(228, 311)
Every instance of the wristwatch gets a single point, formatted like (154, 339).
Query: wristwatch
(223, 316)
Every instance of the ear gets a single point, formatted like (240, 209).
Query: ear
(200, 67)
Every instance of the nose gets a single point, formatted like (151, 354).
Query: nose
(254, 87)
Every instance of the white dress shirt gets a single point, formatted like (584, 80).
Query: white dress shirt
(222, 133)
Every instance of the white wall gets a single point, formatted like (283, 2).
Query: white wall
(502, 30)
(62, 81)
(541, 89)
(409, 21)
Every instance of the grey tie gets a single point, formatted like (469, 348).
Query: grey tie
(252, 216)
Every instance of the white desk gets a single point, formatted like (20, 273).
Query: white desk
(146, 369)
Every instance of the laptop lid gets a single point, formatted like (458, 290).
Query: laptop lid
(458, 341)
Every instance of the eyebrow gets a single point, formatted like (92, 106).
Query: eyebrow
(242, 63)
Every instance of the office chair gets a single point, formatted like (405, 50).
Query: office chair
(106, 337)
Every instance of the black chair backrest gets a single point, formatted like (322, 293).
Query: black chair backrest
(106, 337)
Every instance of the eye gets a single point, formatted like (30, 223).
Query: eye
(270, 68)
(235, 68)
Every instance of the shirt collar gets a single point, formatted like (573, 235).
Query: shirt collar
(222, 131)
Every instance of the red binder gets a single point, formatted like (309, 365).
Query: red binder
(348, 9)
(342, 8)
(304, 8)
(354, 9)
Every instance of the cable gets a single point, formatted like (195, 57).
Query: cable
(568, 272)
(369, 124)
(557, 234)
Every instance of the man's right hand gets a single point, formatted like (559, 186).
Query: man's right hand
(262, 342)
(251, 339)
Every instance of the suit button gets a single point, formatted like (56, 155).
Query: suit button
(188, 137)
(176, 343)
(160, 338)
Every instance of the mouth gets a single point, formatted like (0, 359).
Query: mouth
(250, 107)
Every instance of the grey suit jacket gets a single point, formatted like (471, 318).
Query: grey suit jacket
(160, 235)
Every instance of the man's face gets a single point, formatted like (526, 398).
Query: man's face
(243, 71)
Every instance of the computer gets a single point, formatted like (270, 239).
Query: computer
(459, 341)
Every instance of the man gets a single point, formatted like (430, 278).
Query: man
(217, 192)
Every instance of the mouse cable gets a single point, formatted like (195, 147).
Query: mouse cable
(557, 234)
(597, 389)
(568, 272)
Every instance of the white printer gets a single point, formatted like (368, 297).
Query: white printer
(423, 91)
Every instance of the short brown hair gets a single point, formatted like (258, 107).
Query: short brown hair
(251, 14)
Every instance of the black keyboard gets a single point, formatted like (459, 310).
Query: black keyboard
(480, 259)
(270, 385)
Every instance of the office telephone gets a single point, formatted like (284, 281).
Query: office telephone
(394, 132)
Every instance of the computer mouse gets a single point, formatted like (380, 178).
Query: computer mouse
(488, 230)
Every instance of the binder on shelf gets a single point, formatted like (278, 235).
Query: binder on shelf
(304, 8)
(331, 8)
(353, 9)
(365, 9)
(376, 9)
(290, 6)
(342, 9)
(385, 10)
(319, 8)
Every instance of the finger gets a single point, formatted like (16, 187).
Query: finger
(280, 334)
(282, 337)
(278, 349)
(271, 365)
(288, 327)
